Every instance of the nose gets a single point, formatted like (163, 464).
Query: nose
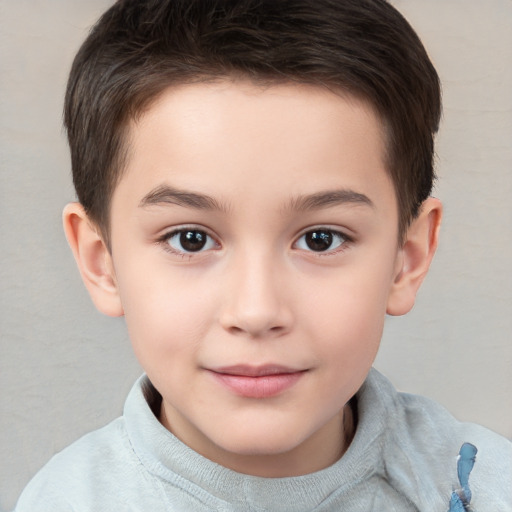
(255, 300)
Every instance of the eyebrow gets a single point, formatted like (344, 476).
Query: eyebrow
(165, 194)
(329, 198)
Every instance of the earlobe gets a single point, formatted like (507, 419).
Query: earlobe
(415, 256)
(93, 259)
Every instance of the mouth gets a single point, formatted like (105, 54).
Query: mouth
(257, 381)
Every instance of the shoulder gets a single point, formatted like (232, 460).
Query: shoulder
(84, 474)
(434, 431)
(430, 425)
(426, 439)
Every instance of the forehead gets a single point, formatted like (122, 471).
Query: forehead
(282, 138)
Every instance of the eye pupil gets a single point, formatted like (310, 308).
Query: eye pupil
(193, 240)
(319, 240)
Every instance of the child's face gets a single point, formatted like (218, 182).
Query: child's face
(255, 232)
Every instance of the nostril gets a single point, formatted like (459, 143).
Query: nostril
(257, 316)
(255, 332)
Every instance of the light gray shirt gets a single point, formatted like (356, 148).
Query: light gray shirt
(403, 458)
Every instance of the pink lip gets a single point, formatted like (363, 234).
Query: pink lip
(257, 381)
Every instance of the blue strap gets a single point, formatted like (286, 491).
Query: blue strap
(460, 498)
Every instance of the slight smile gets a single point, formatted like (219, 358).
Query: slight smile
(257, 381)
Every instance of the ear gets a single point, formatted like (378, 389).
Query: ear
(93, 259)
(414, 257)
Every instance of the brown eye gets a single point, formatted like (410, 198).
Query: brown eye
(190, 240)
(320, 240)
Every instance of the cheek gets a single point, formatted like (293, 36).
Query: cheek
(348, 344)
(349, 315)
(166, 315)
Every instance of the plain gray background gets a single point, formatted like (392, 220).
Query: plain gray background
(65, 369)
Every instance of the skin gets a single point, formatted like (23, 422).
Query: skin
(262, 167)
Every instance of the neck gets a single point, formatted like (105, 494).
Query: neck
(325, 447)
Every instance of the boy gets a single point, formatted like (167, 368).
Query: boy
(254, 182)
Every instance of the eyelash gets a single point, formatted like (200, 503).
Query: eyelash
(344, 240)
(165, 239)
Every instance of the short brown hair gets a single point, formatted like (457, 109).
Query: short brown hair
(138, 48)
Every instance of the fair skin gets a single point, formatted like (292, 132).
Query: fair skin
(254, 256)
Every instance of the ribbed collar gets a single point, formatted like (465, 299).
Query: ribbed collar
(168, 458)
